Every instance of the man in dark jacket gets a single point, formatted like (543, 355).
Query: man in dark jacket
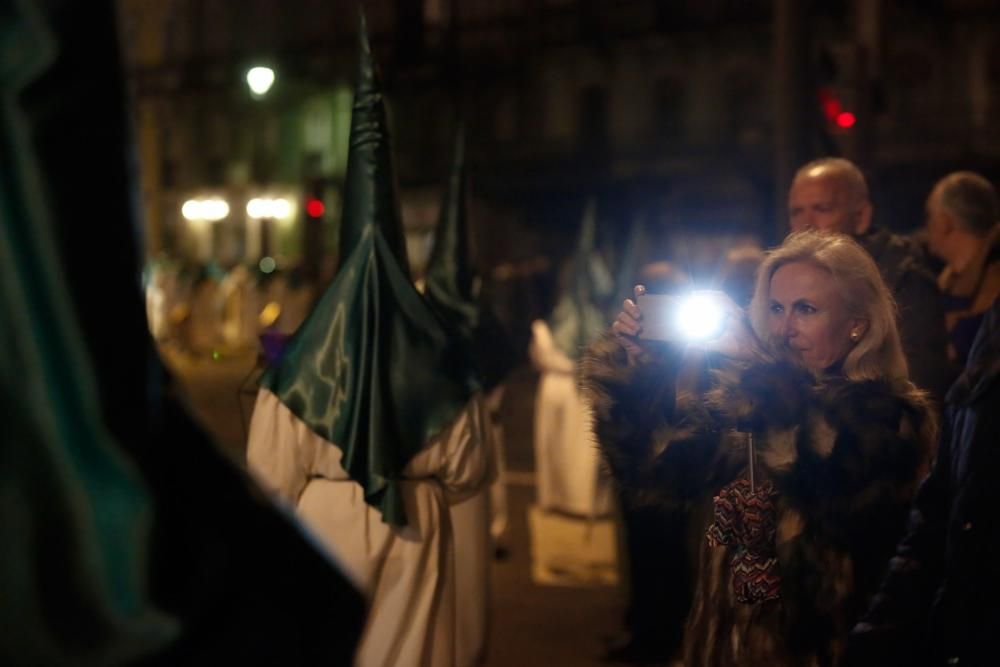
(939, 604)
(963, 229)
(831, 194)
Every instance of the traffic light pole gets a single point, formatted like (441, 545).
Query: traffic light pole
(790, 57)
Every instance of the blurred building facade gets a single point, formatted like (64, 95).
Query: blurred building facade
(691, 114)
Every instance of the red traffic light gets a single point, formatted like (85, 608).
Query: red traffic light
(845, 119)
(834, 110)
(315, 207)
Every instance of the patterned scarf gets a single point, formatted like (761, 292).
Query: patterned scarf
(745, 518)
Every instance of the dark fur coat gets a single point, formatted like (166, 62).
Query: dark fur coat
(844, 459)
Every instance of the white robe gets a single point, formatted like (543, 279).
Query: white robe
(499, 518)
(238, 302)
(567, 461)
(408, 574)
(470, 521)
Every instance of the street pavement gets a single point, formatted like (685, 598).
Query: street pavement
(532, 625)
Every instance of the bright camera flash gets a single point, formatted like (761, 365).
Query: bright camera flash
(700, 318)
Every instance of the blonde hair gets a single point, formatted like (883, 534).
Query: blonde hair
(878, 355)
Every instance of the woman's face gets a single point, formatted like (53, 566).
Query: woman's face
(808, 316)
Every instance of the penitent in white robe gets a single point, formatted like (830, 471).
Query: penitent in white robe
(567, 461)
(408, 574)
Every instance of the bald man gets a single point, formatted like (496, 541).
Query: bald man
(831, 195)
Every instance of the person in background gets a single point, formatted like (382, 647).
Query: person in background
(798, 463)
(831, 195)
(370, 427)
(655, 538)
(963, 230)
(739, 268)
(938, 603)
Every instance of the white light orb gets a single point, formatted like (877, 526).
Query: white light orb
(214, 209)
(281, 208)
(257, 208)
(260, 80)
(700, 317)
(191, 210)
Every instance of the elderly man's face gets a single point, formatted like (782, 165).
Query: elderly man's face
(824, 203)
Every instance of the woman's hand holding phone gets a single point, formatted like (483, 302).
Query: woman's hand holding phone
(704, 320)
(627, 327)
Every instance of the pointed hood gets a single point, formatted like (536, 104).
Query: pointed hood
(579, 314)
(451, 289)
(372, 369)
(449, 281)
(630, 263)
(370, 189)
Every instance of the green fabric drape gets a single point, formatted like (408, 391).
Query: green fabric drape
(629, 265)
(454, 290)
(74, 515)
(579, 315)
(372, 369)
(370, 190)
(450, 279)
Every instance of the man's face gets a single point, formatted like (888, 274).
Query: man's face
(822, 202)
(938, 225)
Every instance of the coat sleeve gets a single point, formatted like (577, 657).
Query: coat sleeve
(890, 629)
(858, 467)
(922, 330)
(659, 449)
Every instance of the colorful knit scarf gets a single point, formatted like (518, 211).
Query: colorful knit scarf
(745, 519)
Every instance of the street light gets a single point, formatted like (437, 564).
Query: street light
(212, 210)
(260, 80)
(265, 207)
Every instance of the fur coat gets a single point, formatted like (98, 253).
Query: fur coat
(840, 459)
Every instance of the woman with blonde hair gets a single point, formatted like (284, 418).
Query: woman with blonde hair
(798, 456)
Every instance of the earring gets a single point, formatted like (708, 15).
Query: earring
(855, 336)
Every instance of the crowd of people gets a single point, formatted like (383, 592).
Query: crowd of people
(830, 449)
(767, 480)
(201, 309)
(812, 483)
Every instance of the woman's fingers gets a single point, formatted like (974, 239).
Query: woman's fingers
(631, 309)
(626, 325)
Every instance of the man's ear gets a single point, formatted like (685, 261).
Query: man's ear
(864, 219)
(949, 223)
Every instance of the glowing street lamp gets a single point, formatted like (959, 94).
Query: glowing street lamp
(212, 210)
(265, 207)
(260, 80)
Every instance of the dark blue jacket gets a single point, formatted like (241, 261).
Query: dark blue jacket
(939, 604)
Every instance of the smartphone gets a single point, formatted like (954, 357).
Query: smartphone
(694, 317)
(657, 316)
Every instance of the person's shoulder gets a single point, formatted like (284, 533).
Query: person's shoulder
(901, 259)
(863, 403)
(898, 247)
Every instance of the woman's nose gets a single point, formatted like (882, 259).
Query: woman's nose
(784, 327)
(789, 330)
